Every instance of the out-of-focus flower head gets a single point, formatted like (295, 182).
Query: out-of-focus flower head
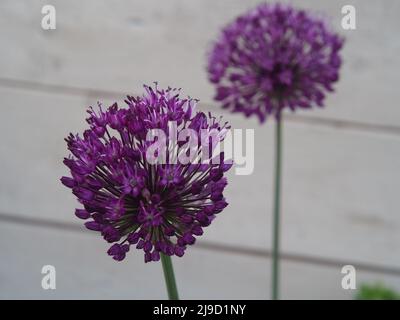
(274, 57)
(156, 207)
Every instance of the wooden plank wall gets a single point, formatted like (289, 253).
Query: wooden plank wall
(341, 163)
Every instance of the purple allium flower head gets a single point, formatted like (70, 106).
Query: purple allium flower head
(158, 208)
(274, 57)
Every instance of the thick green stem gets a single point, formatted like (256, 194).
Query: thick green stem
(276, 222)
(169, 277)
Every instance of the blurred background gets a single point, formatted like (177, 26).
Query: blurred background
(341, 163)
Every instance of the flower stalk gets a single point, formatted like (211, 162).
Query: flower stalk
(276, 217)
(169, 277)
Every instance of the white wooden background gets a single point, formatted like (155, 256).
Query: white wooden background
(341, 164)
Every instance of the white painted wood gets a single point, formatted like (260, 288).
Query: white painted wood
(128, 43)
(339, 191)
(33, 127)
(84, 271)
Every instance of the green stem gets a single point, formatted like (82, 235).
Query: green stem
(169, 277)
(277, 196)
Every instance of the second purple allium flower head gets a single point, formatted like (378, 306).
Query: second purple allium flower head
(274, 57)
(159, 208)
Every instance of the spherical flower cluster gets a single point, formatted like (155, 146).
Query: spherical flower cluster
(159, 208)
(274, 57)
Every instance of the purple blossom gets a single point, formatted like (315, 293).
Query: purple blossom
(158, 208)
(274, 57)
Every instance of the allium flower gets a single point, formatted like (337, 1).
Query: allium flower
(159, 208)
(274, 57)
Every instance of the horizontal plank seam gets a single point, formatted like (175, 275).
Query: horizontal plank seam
(87, 92)
(218, 247)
